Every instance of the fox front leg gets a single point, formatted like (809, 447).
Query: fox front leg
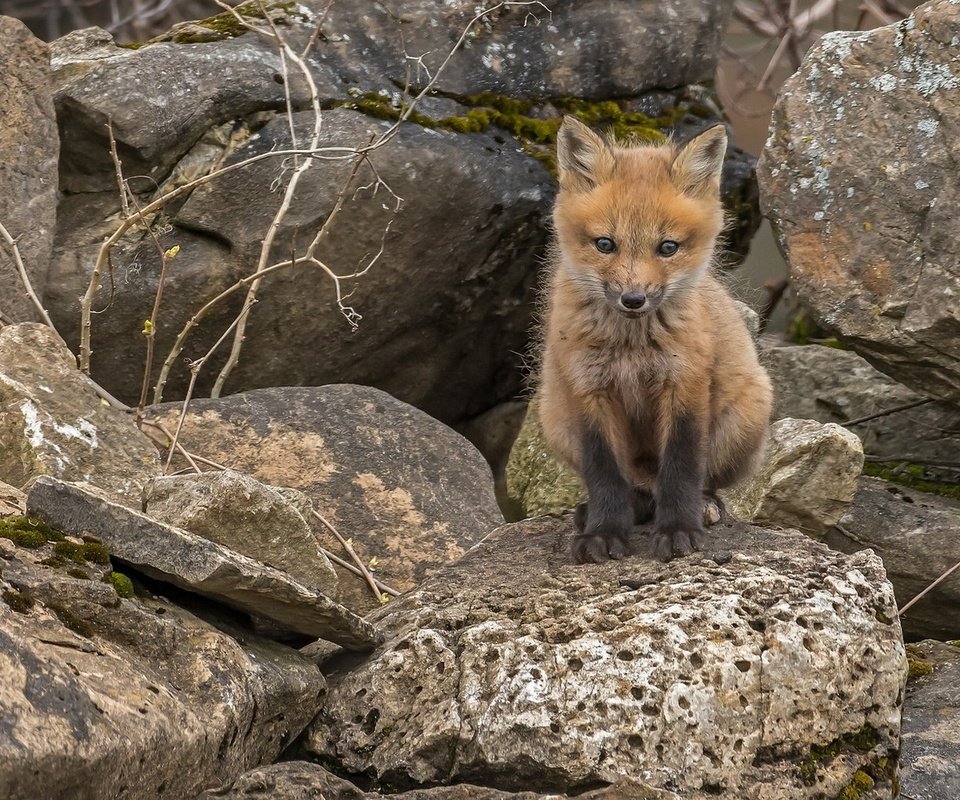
(678, 529)
(609, 511)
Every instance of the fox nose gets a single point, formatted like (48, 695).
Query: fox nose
(633, 300)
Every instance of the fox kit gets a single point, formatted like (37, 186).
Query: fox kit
(650, 384)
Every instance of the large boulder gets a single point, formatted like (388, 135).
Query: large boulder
(776, 672)
(52, 422)
(28, 163)
(831, 385)
(408, 491)
(930, 759)
(915, 534)
(132, 697)
(857, 177)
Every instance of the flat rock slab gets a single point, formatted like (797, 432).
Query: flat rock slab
(128, 699)
(776, 673)
(196, 564)
(858, 179)
(915, 534)
(930, 759)
(302, 780)
(53, 423)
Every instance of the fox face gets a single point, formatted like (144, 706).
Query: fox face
(637, 225)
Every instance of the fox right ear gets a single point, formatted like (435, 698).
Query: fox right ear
(583, 158)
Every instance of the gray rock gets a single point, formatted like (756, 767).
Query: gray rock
(53, 423)
(29, 147)
(12, 500)
(930, 758)
(514, 667)
(831, 385)
(916, 536)
(193, 563)
(806, 478)
(247, 516)
(302, 780)
(406, 489)
(857, 180)
(570, 48)
(103, 697)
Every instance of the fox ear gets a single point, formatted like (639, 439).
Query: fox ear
(582, 156)
(696, 168)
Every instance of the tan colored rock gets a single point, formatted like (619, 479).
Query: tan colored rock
(12, 500)
(516, 668)
(807, 478)
(252, 518)
(53, 423)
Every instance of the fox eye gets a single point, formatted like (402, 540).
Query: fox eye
(605, 244)
(667, 248)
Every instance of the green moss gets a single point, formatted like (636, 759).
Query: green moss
(69, 551)
(55, 561)
(122, 585)
(27, 532)
(954, 642)
(77, 572)
(20, 602)
(913, 476)
(95, 553)
(75, 623)
(226, 25)
(859, 785)
(918, 669)
(380, 106)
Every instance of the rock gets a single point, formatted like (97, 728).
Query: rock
(831, 385)
(570, 48)
(53, 423)
(302, 780)
(930, 758)
(29, 147)
(514, 667)
(133, 698)
(247, 516)
(536, 482)
(806, 479)
(196, 564)
(916, 536)
(406, 489)
(494, 432)
(864, 203)
(12, 500)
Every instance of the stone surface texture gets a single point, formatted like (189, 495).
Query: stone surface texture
(196, 564)
(302, 780)
(930, 760)
(916, 536)
(53, 423)
(239, 512)
(515, 667)
(806, 478)
(406, 489)
(103, 697)
(29, 147)
(857, 179)
(12, 500)
(831, 385)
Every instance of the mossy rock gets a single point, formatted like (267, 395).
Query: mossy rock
(27, 532)
(226, 25)
(121, 584)
(536, 480)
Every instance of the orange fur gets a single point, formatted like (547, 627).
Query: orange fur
(688, 352)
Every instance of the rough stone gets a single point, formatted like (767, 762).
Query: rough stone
(103, 697)
(302, 780)
(776, 675)
(831, 385)
(196, 564)
(930, 758)
(916, 536)
(857, 179)
(406, 489)
(249, 517)
(806, 479)
(29, 147)
(570, 48)
(53, 423)
(12, 500)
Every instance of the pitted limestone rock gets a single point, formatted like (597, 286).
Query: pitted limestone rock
(514, 667)
(807, 478)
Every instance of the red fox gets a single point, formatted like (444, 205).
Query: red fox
(650, 386)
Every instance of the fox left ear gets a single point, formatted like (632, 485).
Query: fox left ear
(697, 167)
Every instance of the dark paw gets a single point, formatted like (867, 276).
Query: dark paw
(644, 506)
(580, 517)
(600, 544)
(667, 545)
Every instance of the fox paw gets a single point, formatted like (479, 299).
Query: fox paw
(599, 544)
(667, 545)
(712, 509)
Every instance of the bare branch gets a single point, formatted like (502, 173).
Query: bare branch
(22, 274)
(906, 607)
